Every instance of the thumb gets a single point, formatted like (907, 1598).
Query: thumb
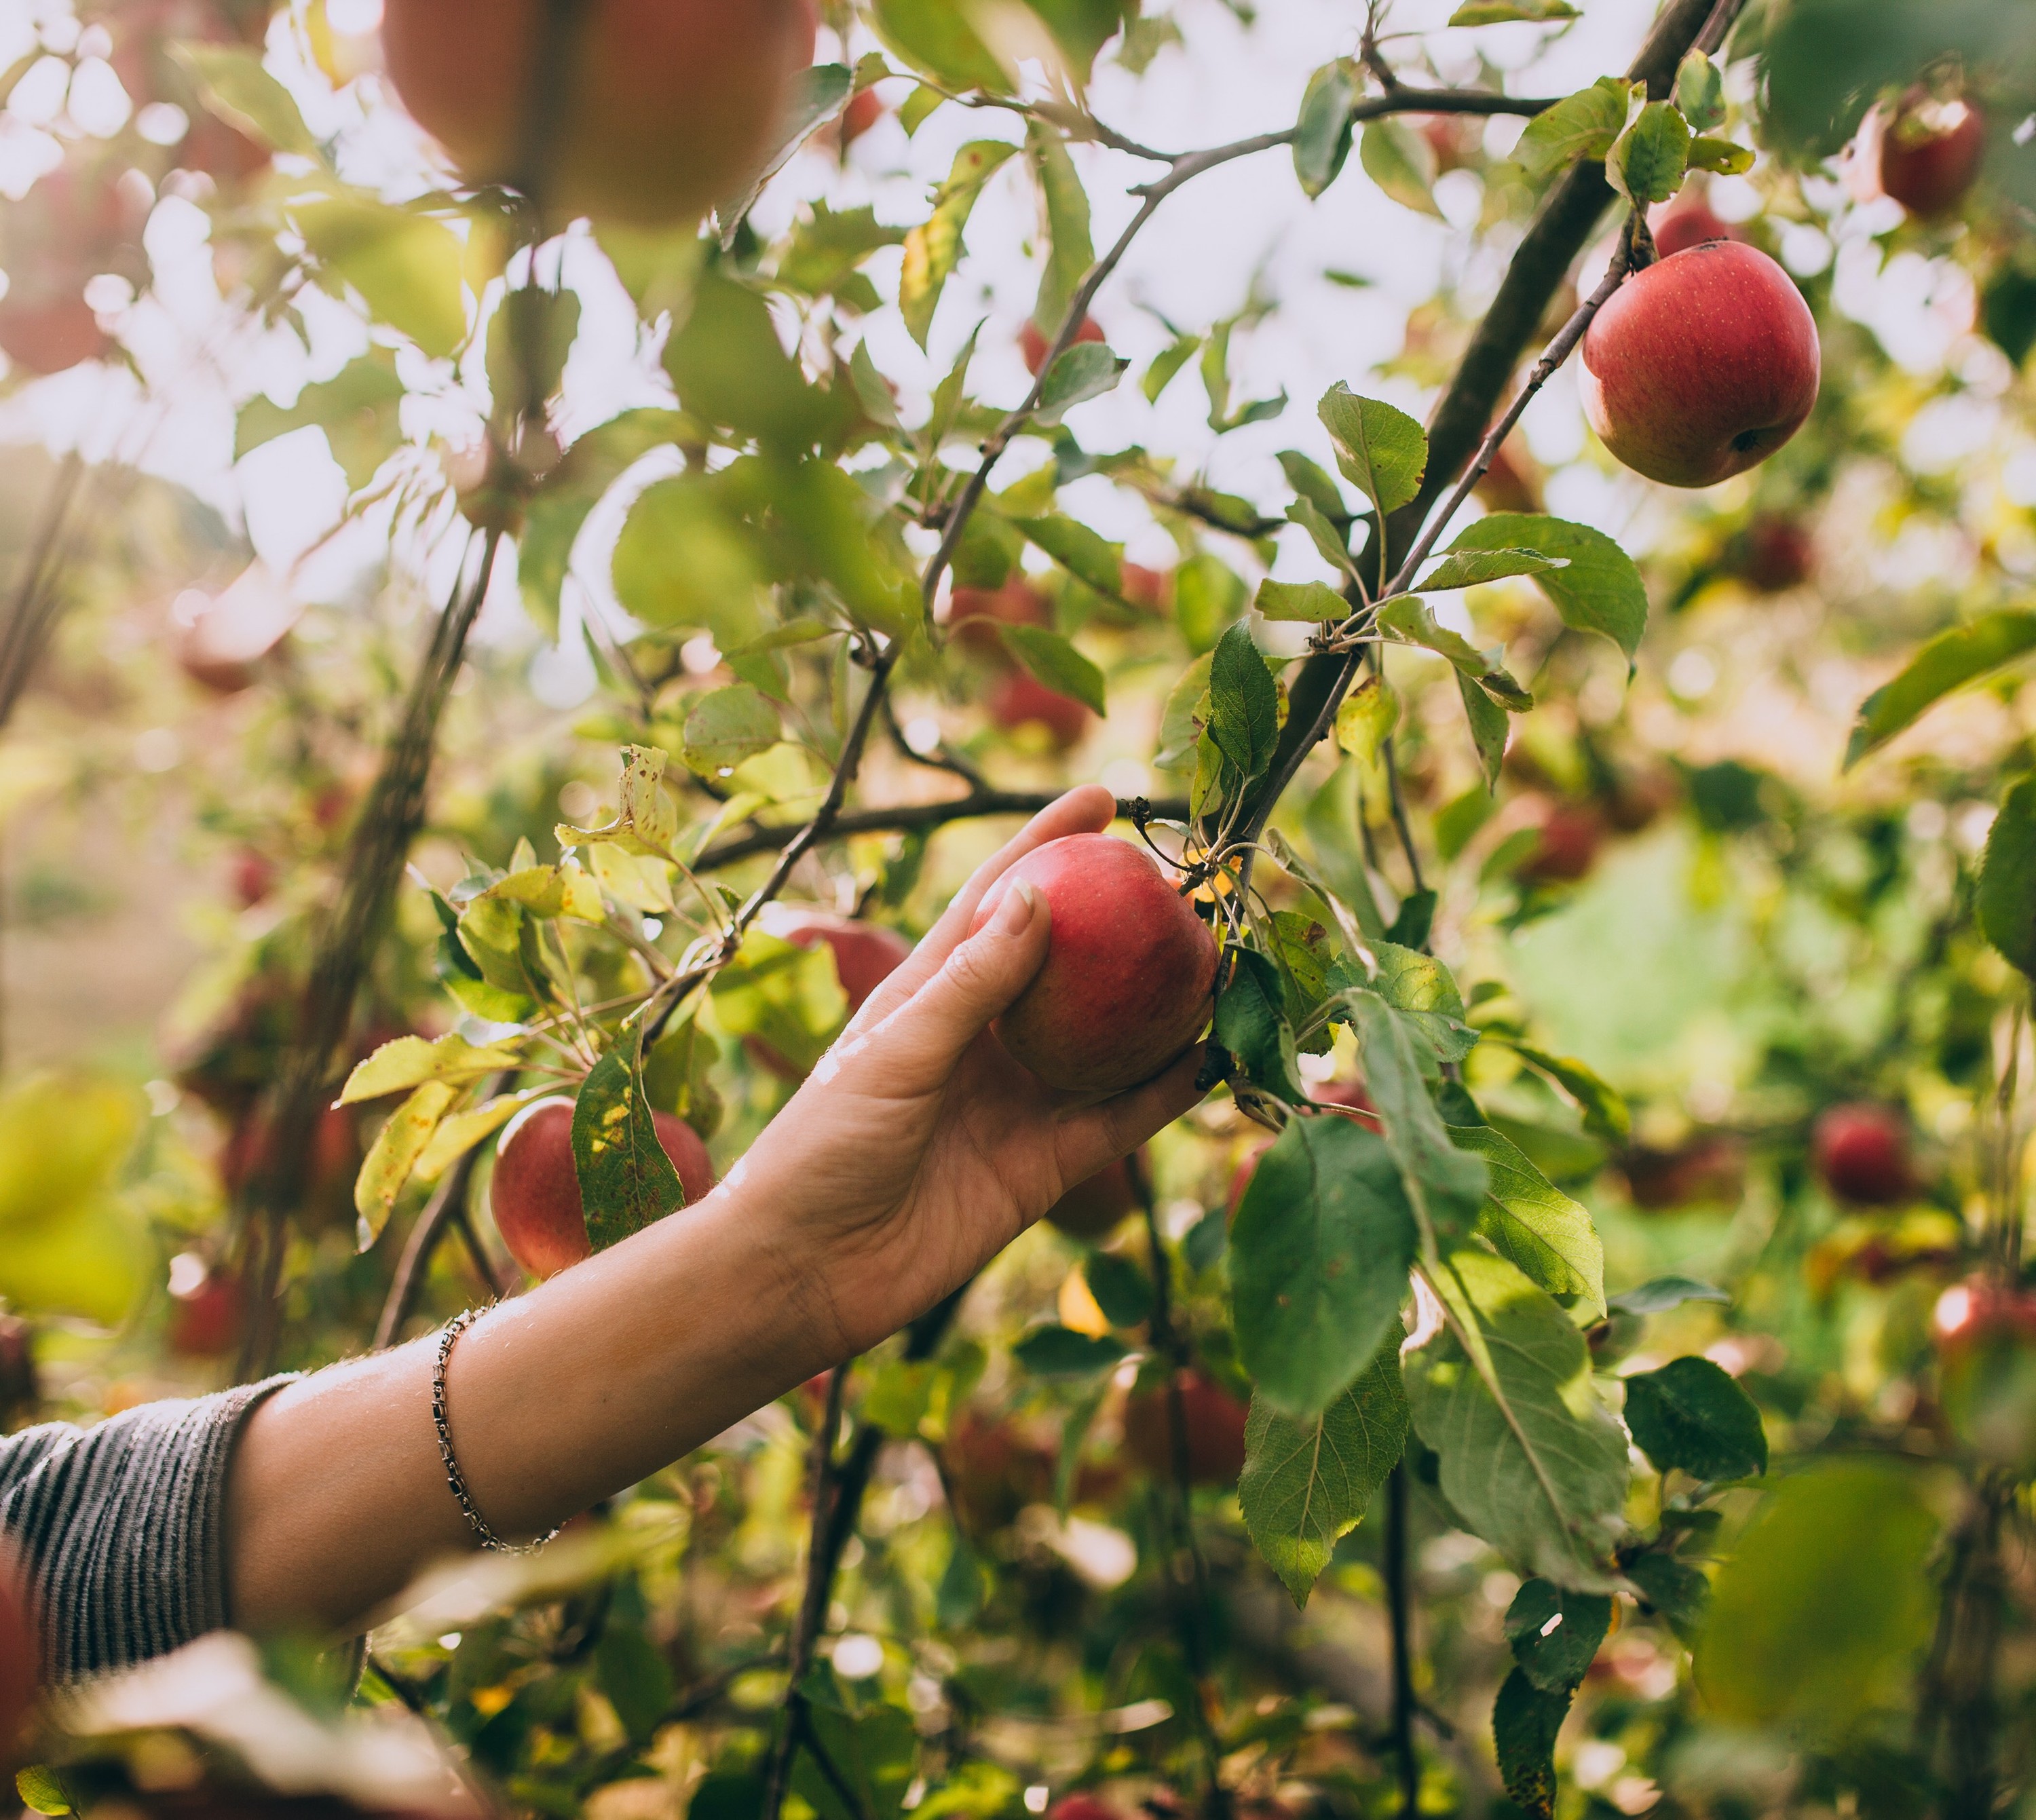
(976, 983)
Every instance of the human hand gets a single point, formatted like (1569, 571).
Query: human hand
(918, 1148)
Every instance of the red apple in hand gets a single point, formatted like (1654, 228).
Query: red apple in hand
(1020, 699)
(1036, 344)
(1931, 152)
(1129, 973)
(1862, 1154)
(665, 107)
(1702, 366)
(1215, 1424)
(535, 1194)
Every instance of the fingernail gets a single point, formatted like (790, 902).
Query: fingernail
(1015, 911)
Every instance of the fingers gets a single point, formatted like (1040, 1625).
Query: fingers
(1087, 810)
(1095, 1138)
(919, 1045)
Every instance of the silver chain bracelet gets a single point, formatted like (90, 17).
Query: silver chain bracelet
(454, 1479)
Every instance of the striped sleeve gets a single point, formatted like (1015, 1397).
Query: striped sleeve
(122, 1527)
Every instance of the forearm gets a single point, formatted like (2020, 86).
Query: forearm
(584, 1386)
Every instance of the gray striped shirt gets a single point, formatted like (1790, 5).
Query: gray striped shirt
(122, 1527)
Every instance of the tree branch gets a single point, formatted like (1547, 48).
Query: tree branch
(445, 1209)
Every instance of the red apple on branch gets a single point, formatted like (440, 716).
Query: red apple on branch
(1776, 555)
(1862, 1154)
(1127, 976)
(865, 954)
(1931, 152)
(658, 108)
(1687, 221)
(535, 1194)
(974, 614)
(1700, 367)
(1091, 1210)
(1035, 343)
(1215, 1426)
(1019, 699)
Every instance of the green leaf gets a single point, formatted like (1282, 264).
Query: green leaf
(1326, 533)
(1367, 719)
(1408, 621)
(1598, 588)
(408, 268)
(42, 1791)
(626, 1180)
(359, 408)
(1321, 137)
(1691, 1415)
(1244, 703)
(1948, 661)
(817, 93)
(1531, 1222)
(1582, 126)
(1056, 662)
(727, 364)
(789, 997)
(409, 1061)
(1421, 989)
(1319, 1256)
(1473, 568)
(637, 1679)
(1081, 29)
(1088, 370)
(1554, 1633)
(1079, 550)
(682, 560)
(1166, 365)
(1305, 1484)
(1505, 11)
(1604, 1112)
(1820, 1615)
(870, 1752)
(533, 329)
(1057, 1351)
(233, 85)
(458, 1134)
(1309, 602)
(1681, 1592)
(1312, 483)
(1121, 1290)
(1382, 452)
(1489, 729)
(1070, 250)
(1647, 161)
(1446, 1186)
(1662, 1294)
(1530, 1459)
(1401, 163)
(397, 1148)
(824, 258)
(934, 249)
(1209, 596)
(1526, 1721)
(1700, 91)
(727, 726)
(1720, 156)
(2007, 895)
(935, 36)
(1251, 1023)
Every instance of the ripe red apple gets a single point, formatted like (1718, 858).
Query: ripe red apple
(1091, 1210)
(668, 105)
(1687, 221)
(1568, 840)
(1512, 482)
(974, 614)
(535, 1192)
(1084, 1807)
(1702, 366)
(866, 108)
(1709, 1170)
(21, 1384)
(1455, 139)
(1019, 699)
(1215, 1424)
(993, 1472)
(205, 1319)
(1036, 344)
(1128, 977)
(1931, 152)
(253, 877)
(865, 954)
(1862, 1154)
(1970, 1315)
(1152, 588)
(250, 1151)
(1776, 554)
(52, 334)
(21, 1655)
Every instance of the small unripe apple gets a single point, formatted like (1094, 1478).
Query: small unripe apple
(1215, 1426)
(1567, 843)
(20, 1654)
(1685, 221)
(1129, 973)
(665, 106)
(974, 614)
(865, 954)
(1776, 554)
(1931, 152)
(1020, 699)
(1700, 367)
(535, 1192)
(1036, 344)
(1092, 1210)
(1862, 1154)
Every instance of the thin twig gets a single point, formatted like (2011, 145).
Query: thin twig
(447, 1208)
(1400, 1611)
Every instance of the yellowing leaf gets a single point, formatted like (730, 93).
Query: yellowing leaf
(409, 1061)
(398, 1146)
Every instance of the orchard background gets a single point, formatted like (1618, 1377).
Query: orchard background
(454, 650)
